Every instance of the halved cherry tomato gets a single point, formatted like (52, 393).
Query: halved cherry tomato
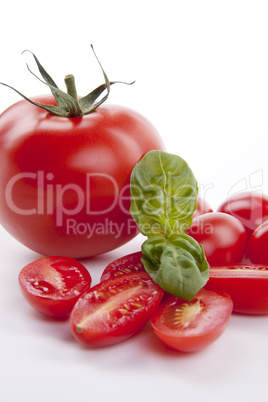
(52, 285)
(114, 310)
(203, 207)
(246, 284)
(189, 326)
(250, 208)
(128, 264)
(222, 236)
(257, 249)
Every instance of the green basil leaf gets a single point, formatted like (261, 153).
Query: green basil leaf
(163, 194)
(177, 264)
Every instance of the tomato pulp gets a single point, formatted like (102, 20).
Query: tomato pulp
(52, 285)
(130, 263)
(114, 310)
(64, 182)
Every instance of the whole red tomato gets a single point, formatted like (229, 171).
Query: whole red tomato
(64, 182)
(249, 207)
(257, 249)
(222, 236)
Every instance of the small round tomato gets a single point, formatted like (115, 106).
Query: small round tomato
(203, 207)
(128, 264)
(257, 250)
(222, 236)
(250, 208)
(246, 284)
(114, 310)
(189, 326)
(52, 285)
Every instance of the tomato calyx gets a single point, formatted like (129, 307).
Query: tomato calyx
(68, 104)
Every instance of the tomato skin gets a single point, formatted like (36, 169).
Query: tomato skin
(64, 182)
(130, 263)
(257, 249)
(52, 285)
(203, 207)
(249, 207)
(222, 236)
(115, 309)
(247, 284)
(197, 329)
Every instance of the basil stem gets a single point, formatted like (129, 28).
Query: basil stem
(163, 199)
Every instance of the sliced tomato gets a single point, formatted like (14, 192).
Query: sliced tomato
(189, 326)
(246, 284)
(52, 285)
(114, 310)
(128, 264)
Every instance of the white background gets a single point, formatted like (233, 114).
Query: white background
(201, 71)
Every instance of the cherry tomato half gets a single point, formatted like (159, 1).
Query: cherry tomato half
(257, 250)
(189, 326)
(249, 207)
(222, 236)
(246, 284)
(128, 264)
(114, 310)
(52, 285)
(203, 207)
(64, 182)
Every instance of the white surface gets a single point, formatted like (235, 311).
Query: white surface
(201, 70)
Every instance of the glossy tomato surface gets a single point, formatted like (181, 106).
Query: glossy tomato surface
(64, 182)
(128, 264)
(114, 310)
(189, 326)
(247, 284)
(203, 207)
(52, 285)
(257, 249)
(250, 208)
(222, 236)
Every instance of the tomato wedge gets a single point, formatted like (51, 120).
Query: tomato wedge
(114, 310)
(246, 284)
(128, 264)
(52, 285)
(189, 326)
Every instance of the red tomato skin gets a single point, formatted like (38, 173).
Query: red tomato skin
(203, 207)
(257, 249)
(66, 278)
(64, 182)
(130, 263)
(222, 236)
(114, 327)
(249, 207)
(217, 311)
(248, 291)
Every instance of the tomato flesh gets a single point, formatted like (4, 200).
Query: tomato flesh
(52, 285)
(114, 310)
(246, 284)
(130, 263)
(189, 326)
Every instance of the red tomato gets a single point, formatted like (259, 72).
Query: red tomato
(222, 236)
(64, 182)
(125, 265)
(246, 284)
(257, 250)
(203, 207)
(52, 285)
(114, 310)
(189, 326)
(249, 207)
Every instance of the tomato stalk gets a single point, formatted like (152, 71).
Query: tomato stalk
(68, 104)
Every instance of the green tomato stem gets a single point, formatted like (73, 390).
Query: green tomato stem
(70, 85)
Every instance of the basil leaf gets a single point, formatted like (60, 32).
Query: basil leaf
(177, 264)
(163, 194)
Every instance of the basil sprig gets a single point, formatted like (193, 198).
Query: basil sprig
(163, 199)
